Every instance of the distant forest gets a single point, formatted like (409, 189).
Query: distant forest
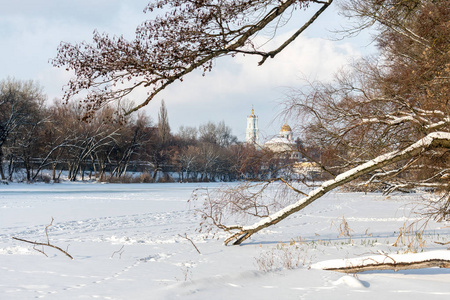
(63, 139)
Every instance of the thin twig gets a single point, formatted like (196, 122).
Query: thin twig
(119, 252)
(40, 251)
(440, 243)
(293, 188)
(46, 233)
(186, 237)
(44, 244)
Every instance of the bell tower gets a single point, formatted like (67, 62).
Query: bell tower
(252, 133)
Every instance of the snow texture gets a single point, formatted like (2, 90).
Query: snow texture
(128, 243)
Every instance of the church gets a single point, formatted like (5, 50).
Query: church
(283, 144)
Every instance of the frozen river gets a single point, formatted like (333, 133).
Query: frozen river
(128, 242)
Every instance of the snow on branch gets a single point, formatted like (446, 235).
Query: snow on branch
(439, 258)
(431, 141)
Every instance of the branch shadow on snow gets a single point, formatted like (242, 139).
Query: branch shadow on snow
(425, 271)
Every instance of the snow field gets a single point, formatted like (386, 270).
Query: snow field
(128, 243)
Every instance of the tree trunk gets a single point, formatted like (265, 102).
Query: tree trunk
(11, 168)
(2, 175)
(433, 140)
(394, 266)
(396, 262)
(155, 173)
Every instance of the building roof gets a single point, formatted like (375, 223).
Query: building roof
(280, 140)
(286, 128)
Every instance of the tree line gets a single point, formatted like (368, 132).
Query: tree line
(36, 136)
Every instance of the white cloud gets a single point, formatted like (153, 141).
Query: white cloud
(30, 34)
(235, 84)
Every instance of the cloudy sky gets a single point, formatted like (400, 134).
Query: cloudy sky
(31, 30)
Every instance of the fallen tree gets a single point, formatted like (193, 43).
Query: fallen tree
(396, 262)
(431, 141)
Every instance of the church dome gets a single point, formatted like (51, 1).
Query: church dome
(286, 128)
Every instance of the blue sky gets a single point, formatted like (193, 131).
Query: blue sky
(30, 32)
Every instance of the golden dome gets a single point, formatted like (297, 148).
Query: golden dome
(285, 128)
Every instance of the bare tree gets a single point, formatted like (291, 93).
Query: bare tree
(186, 36)
(132, 137)
(19, 107)
(84, 141)
(386, 121)
(219, 134)
(187, 160)
(219, 209)
(161, 151)
(163, 125)
(188, 133)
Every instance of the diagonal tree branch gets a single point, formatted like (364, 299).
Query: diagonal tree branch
(272, 53)
(431, 141)
(189, 36)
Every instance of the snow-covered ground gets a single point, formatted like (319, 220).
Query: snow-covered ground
(129, 242)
